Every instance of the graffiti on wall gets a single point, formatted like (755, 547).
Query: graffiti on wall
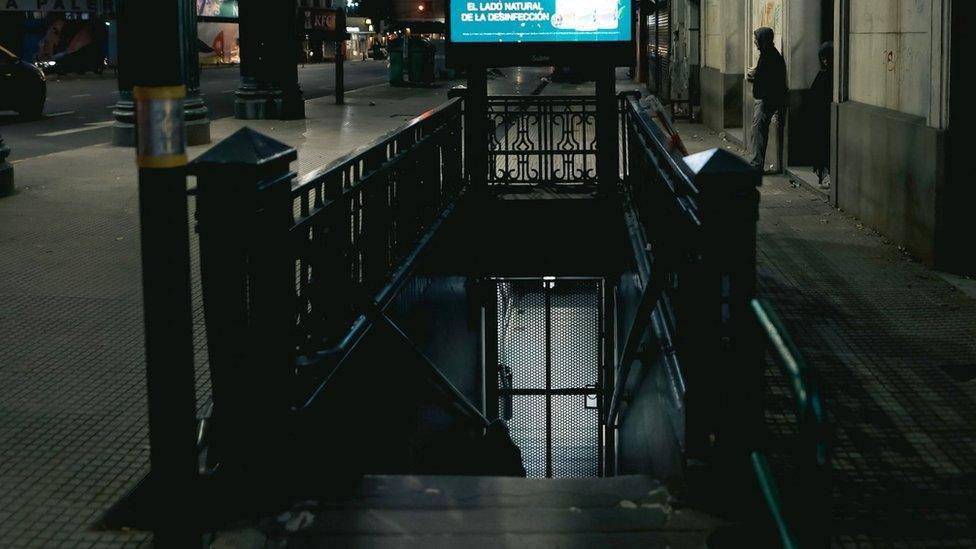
(768, 13)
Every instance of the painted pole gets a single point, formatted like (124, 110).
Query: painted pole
(158, 94)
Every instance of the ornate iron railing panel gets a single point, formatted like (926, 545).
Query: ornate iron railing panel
(547, 140)
(358, 218)
(541, 140)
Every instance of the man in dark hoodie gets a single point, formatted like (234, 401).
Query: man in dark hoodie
(769, 89)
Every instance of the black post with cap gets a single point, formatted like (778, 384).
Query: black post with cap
(244, 215)
(158, 94)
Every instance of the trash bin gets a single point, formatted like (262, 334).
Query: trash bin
(395, 50)
(420, 61)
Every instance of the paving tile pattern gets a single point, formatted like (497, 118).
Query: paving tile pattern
(895, 348)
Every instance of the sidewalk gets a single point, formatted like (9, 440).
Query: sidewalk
(73, 433)
(895, 347)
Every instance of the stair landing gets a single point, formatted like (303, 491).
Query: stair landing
(474, 512)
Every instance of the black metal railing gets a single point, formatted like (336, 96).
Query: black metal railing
(548, 140)
(541, 140)
(360, 217)
(295, 273)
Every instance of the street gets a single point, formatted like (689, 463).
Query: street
(78, 112)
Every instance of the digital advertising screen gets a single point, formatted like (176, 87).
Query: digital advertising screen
(542, 21)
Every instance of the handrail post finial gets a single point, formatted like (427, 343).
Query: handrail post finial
(244, 214)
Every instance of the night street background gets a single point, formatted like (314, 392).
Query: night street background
(78, 112)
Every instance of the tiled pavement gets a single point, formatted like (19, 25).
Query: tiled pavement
(895, 348)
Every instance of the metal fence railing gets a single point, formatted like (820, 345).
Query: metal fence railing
(360, 217)
(295, 273)
(548, 140)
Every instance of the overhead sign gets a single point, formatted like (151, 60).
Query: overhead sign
(320, 19)
(95, 6)
(217, 8)
(551, 21)
(324, 23)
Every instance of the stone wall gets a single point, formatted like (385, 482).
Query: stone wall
(890, 167)
(890, 152)
(891, 54)
(722, 66)
(721, 98)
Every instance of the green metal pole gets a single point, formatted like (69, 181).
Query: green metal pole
(159, 91)
(195, 112)
(269, 61)
(124, 128)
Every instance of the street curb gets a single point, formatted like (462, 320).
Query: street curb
(794, 177)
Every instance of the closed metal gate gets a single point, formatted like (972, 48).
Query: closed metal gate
(659, 49)
(549, 355)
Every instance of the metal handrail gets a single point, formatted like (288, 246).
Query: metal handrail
(653, 272)
(362, 152)
(655, 140)
(327, 193)
(339, 353)
(348, 204)
(812, 425)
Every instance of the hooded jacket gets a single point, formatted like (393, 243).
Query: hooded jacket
(769, 79)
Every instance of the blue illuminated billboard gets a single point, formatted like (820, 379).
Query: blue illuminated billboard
(540, 21)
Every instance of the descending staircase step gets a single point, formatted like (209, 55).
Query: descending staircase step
(456, 511)
(460, 492)
(642, 540)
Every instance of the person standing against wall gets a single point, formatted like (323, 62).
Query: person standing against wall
(768, 79)
(818, 113)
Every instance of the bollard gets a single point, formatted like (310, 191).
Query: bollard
(716, 329)
(244, 217)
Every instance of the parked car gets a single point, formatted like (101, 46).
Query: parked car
(378, 52)
(23, 86)
(87, 58)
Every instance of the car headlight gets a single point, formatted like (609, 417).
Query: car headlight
(40, 71)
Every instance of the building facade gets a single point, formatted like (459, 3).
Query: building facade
(892, 114)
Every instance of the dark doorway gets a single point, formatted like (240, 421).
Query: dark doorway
(549, 363)
(809, 132)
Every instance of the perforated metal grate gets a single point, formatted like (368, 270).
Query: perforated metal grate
(550, 347)
(575, 437)
(522, 337)
(528, 429)
(575, 333)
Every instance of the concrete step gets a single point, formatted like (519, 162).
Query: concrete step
(454, 511)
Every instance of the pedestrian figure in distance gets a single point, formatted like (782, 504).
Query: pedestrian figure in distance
(818, 113)
(768, 79)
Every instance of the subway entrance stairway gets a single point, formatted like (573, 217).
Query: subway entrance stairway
(504, 287)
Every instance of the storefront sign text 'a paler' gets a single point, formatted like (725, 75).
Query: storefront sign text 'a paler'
(103, 6)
